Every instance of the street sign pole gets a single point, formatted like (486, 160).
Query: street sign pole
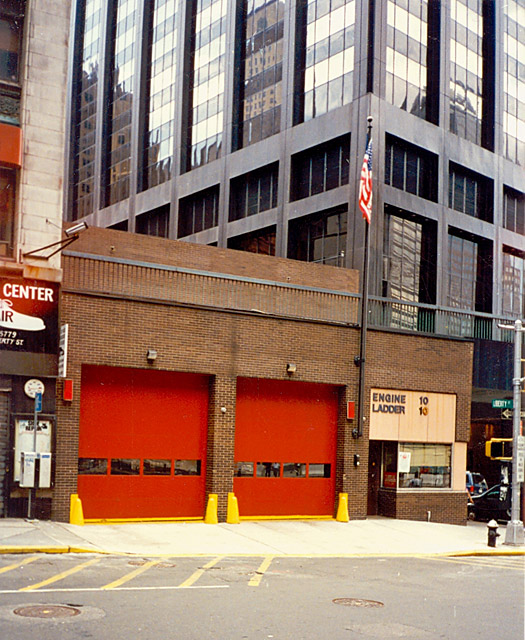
(514, 534)
(37, 409)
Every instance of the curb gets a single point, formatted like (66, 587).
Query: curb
(5, 550)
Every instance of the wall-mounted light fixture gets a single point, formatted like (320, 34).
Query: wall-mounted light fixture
(291, 368)
(151, 355)
(357, 460)
(71, 234)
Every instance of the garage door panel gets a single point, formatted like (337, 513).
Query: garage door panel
(144, 423)
(290, 423)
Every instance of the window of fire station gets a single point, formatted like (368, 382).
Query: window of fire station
(416, 465)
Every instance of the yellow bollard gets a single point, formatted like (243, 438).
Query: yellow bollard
(342, 510)
(233, 510)
(211, 510)
(76, 513)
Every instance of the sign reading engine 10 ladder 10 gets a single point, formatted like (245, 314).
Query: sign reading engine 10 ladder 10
(412, 416)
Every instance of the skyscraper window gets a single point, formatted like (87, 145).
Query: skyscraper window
(325, 52)
(471, 71)
(261, 76)
(86, 113)
(514, 81)
(412, 63)
(120, 100)
(161, 68)
(513, 283)
(208, 49)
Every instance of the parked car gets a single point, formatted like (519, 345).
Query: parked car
(492, 504)
(476, 483)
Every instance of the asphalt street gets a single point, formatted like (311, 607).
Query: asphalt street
(259, 597)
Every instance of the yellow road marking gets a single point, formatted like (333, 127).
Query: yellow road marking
(193, 578)
(60, 576)
(10, 567)
(131, 575)
(484, 562)
(256, 580)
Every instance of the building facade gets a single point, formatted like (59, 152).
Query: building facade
(242, 124)
(194, 370)
(34, 40)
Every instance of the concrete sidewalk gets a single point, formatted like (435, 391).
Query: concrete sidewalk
(374, 536)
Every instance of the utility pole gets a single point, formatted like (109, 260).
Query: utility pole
(514, 534)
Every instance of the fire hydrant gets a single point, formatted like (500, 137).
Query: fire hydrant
(492, 527)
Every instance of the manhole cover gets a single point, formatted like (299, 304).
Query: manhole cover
(358, 602)
(46, 611)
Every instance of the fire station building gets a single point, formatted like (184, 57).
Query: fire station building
(195, 370)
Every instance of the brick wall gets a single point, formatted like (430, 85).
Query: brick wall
(446, 507)
(107, 330)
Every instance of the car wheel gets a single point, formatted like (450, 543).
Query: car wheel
(471, 515)
(508, 513)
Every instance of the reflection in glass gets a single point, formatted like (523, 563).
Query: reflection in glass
(120, 99)
(466, 68)
(244, 469)
(514, 81)
(161, 65)
(325, 71)
(156, 467)
(294, 470)
(268, 469)
(319, 470)
(320, 238)
(84, 200)
(92, 466)
(208, 50)
(407, 55)
(261, 69)
(513, 298)
(187, 467)
(125, 467)
(514, 211)
(429, 466)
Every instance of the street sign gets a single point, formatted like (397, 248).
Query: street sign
(507, 414)
(503, 404)
(38, 402)
(521, 466)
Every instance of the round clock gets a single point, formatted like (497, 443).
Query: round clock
(34, 386)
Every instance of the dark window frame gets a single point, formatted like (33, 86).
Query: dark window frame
(400, 156)
(320, 168)
(470, 193)
(247, 196)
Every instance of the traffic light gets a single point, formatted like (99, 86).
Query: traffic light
(499, 449)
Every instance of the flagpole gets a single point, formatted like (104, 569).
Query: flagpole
(361, 360)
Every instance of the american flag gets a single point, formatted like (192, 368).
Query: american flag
(365, 184)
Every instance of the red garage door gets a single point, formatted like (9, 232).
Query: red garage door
(285, 448)
(142, 447)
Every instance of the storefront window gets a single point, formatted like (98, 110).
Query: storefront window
(429, 465)
(416, 465)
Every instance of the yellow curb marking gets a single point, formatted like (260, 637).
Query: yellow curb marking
(193, 578)
(18, 564)
(60, 576)
(263, 567)
(131, 575)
